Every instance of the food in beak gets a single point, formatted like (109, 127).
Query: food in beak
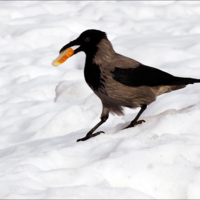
(64, 55)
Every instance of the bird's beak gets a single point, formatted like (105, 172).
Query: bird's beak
(71, 44)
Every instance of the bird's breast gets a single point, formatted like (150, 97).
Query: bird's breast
(93, 78)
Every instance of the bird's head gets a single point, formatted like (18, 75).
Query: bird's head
(88, 41)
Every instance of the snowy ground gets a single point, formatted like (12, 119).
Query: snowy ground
(44, 109)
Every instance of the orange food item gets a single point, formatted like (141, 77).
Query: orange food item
(63, 57)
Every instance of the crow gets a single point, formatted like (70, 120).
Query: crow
(120, 81)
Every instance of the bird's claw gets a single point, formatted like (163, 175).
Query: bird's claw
(134, 123)
(89, 136)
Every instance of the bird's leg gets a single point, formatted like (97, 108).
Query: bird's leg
(104, 117)
(89, 134)
(135, 122)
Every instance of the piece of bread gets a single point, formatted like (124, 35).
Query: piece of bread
(63, 57)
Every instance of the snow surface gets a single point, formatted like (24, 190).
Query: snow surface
(44, 109)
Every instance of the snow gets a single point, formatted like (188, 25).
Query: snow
(45, 109)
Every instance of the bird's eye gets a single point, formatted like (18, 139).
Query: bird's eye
(87, 39)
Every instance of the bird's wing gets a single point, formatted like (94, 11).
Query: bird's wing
(143, 76)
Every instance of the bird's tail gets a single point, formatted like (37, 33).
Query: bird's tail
(184, 81)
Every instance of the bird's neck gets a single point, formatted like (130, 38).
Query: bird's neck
(104, 53)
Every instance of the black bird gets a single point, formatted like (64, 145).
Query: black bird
(120, 81)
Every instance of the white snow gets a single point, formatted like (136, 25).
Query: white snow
(45, 109)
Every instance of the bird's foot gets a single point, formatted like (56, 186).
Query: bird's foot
(132, 124)
(89, 136)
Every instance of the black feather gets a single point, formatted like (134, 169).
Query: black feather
(148, 76)
(93, 75)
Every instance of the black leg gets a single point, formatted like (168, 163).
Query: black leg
(135, 122)
(89, 134)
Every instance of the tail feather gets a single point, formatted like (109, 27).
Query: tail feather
(184, 81)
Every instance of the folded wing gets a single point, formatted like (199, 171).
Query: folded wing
(148, 76)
